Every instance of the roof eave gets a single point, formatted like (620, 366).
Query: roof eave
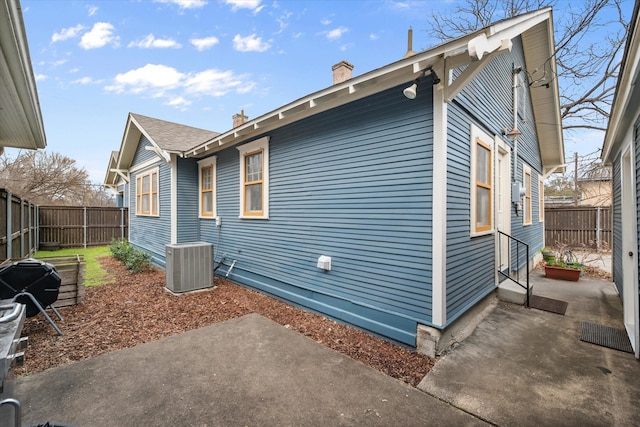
(19, 94)
(627, 91)
(378, 80)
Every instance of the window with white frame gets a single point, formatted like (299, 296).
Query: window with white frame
(254, 179)
(147, 193)
(481, 182)
(540, 200)
(526, 207)
(207, 187)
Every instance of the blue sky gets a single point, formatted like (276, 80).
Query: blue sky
(198, 62)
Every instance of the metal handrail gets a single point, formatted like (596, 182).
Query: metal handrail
(508, 276)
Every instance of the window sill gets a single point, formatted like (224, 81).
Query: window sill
(482, 233)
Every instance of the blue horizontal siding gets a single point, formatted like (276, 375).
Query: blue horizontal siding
(486, 102)
(148, 233)
(352, 183)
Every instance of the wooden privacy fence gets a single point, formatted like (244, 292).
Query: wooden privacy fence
(71, 226)
(18, 226)
(578, 227)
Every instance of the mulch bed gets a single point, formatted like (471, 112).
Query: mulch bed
(137, 309)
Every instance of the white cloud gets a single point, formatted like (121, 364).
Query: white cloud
(179, 102)
(373, 37)
(251, 43)
(74, 70)
(92, 10)
(283, 21)
(86, 81)
(204, 43)
(41, 77)
(67, 33)
(178, 88)
(151, 42)
(185, 4)
(336, 33)
(325, 21)
(151, 76)
(213, 82)
(59, 62)
(99, 36)
(252, 5)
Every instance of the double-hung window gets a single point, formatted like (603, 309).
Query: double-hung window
(481, 182)
(254, 179)
(526, 179)
(147, 193)
(207, 184)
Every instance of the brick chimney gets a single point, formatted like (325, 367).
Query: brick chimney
(239, 119)
(341, 72)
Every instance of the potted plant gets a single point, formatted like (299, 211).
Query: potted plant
(563, 267)
(548, 255)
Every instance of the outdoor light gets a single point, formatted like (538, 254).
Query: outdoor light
(411, 91)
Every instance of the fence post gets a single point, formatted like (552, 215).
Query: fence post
(9, 225)
(122, 223)
(85, 227)
(598, 229)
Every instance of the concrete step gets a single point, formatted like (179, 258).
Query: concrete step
(511, 292)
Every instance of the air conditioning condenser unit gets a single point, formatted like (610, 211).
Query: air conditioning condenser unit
(189, 266)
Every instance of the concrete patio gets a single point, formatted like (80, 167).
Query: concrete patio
(528, 367)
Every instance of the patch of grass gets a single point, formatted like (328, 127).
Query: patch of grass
(94, 274)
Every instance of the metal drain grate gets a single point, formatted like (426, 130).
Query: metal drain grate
(605, 336)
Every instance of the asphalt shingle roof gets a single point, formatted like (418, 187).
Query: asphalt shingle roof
(173, 136)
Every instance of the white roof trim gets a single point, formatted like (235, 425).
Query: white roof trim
(497, 36)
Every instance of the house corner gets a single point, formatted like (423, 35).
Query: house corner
(434, 342)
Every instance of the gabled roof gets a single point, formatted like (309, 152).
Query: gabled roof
(21, 124)
(472, 50)
(165, 137)
(626, 101)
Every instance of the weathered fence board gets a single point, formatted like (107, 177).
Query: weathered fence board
(578, 227)
(18, 226)
(71, 270)
(70, 226)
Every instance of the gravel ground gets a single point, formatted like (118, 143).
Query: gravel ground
(137, 309)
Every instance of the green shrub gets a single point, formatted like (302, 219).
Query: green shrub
(120, 249)
(133, 258)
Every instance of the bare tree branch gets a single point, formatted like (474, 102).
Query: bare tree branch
(587, 67)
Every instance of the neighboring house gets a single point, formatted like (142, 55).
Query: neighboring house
(398, 178)
(595, 186)
(21, 124)
(621, 150)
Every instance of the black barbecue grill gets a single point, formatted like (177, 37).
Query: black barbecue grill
(33, 283)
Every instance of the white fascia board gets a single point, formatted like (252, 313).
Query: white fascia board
(626, 90)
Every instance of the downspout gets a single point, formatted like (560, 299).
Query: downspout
(514, 132)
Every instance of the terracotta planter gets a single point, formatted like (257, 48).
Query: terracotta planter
(562, 273)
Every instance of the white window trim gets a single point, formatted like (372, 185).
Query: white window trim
(204, 163)
(149, 172)
(540, 199)
(477, 133)
(258, 144)
(526, 169)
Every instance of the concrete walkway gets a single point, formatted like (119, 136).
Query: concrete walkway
(244, 372)
(527, 367)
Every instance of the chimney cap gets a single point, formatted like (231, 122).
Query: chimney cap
(342, 63)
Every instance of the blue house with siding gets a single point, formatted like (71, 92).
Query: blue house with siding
(376, 201)
(621, 150)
